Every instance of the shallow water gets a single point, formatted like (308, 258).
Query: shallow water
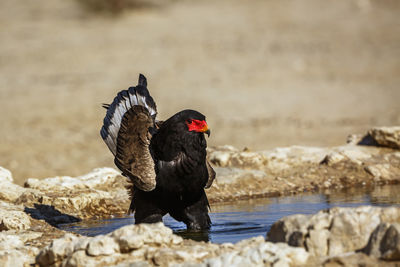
(233, 222)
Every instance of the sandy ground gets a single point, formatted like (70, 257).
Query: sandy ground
(265, 73)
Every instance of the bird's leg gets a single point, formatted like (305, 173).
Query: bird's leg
(146, 210)
(195, 216)
(153, 218)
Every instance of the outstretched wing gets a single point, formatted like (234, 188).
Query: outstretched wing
(211, 175)
(126, 132)
(133, 156)
(124, 101)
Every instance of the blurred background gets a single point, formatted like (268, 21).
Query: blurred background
(265, 73)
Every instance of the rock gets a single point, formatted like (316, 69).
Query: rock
(57, 251)
(155, 244)
(297, 153)
(13, 252)
(10, 241)
(145, 264)
(8, 190)
(333, 158)
(354, 139)
(12, 218)
(386, 136)
(361, 140)
(378, 136)
(79, 251)
(382, 172)
(225, 148)
(5, 175)
(102, 245)
(235, 175)
(97, 178)
(248, 160)
(134, 236)
(354, 260)
(220, 158)
(350, 229)
(283, 158)
(265, 254)
(356, 154)
(351, 153)
(332, 232)
(100, 193)
(80, 259)
(390, 243)
(384, 242)
(15, 258)
(234, 158)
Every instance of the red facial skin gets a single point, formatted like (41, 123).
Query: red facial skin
(197, 126)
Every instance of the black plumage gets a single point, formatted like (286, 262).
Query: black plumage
(166, 161)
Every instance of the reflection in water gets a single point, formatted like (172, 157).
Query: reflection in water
(233, 222)
(194, 235)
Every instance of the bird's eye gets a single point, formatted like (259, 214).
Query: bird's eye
(189, 121)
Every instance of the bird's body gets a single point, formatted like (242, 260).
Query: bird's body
(166, 161)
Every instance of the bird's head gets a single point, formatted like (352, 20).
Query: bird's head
(184, 131)
(199, 126)
(195, 122)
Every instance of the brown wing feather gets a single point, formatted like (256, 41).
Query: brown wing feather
(133, 156)
(211, 175)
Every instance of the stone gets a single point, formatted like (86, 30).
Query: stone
(102, 245)
(386, 136)
(100, 193)
(239, 159)
(384, 242)
(354, 260)
(264, 254)
(8, 190)
(15, 258)
(13, 251)
(220, 158)
(159, 246)
(354, 139)
(5, 175)
(96, 178)
(235, 175)
(296, 154)
(81, 251)
(390, 244)
(382, 172)
(80, 259)
(333, 158)
(140, 264)
(248, 160)
(128, 239)
(57, 251)
(332, 232)
(350, 229)
(10, 241)
(356, 154)
(13, 219)
(135, 236)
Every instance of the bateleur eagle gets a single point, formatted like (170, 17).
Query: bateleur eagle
(165, 160)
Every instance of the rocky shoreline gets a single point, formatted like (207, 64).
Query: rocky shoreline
(337, 237)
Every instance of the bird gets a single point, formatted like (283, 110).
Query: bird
(166, 161)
